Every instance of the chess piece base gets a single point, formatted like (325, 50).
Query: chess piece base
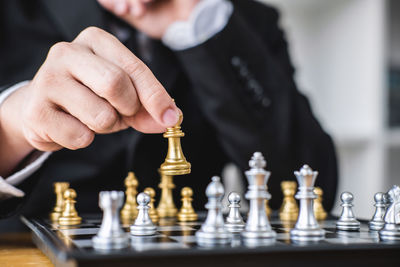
(143, 230)
(187, 217)
(262, 234)
(69, 220)
(213, 238)
(235, 227)
(307, 234)
(54, 216)
(375, 225)
(390, 232)
(352, 225)
(114, 242)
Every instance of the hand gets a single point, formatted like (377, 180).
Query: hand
(151, 17)
(91, 85)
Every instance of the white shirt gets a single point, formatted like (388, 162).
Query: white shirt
(207, 19)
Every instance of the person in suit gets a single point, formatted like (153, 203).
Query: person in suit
(111, 72)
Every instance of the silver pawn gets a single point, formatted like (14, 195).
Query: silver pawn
(377, 221)
(391, 229)
(111, 235)
(258, 228)
(143, 225)
(347, 220)
(306, 228)
(213, 231)
(234, 222)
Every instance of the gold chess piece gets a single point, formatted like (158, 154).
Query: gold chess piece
(289, 209)
(69, 216)
(187, 213)
(175, 163)
(268, 210)
(152, 211)
(166, 206)
(319, 212)
(129, 210)
(59, 189)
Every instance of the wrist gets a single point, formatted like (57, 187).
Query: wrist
(13, 145)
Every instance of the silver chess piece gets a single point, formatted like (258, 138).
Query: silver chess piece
(391, 229)
(306, 228)
(377, 222)
(347, 220)
(111, 235)
(234, 222)
(258, 228)
(143, 225)
(213, 231)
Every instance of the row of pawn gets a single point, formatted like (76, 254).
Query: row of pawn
(129, 211)
(257, 229)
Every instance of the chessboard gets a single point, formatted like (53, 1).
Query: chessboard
(175, 245)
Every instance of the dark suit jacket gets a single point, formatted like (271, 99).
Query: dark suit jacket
(236, 92)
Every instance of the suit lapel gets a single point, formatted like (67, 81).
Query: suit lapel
(72, 16)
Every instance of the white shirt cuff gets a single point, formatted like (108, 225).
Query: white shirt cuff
(7, 186)
(207, 19)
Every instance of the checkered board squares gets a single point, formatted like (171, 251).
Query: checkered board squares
(182, 235)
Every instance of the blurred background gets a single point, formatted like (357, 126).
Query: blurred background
(347, 57)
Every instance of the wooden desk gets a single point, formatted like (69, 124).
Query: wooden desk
(17, 250)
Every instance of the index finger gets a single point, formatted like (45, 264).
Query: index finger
(151, 93)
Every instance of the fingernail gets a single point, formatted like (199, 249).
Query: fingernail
(170, 117)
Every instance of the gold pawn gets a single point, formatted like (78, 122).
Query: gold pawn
(152, 211)
(319, 212)
(187, 213)
(166, 206)
(289, 210)
(268, 210)
(175, 163)
(59, 189)
(129, 210)
(69, 216)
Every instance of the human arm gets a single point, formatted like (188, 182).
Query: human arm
(91, 85)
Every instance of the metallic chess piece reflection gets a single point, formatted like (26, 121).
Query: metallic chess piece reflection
(166, 206)
(187, 213)
(213, 231)
(59, 189)
(152, 210)
(69, 216)
(377, 222)
(234, 222)
(347, 220)
(175, 163)
(391, 229)
(143, 225)
(129, 210)
(111, 235)
(319, 211)
(257, 226)
(289, 210)
(306, 228)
